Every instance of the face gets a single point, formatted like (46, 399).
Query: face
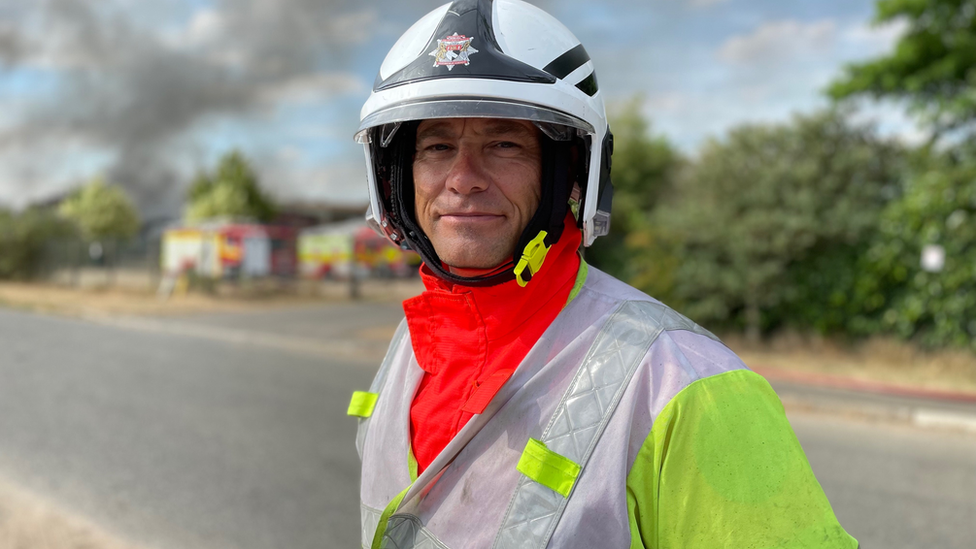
(477, 183)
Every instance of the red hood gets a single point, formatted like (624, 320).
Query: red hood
(470, 339)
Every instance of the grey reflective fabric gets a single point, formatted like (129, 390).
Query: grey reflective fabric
(406, 531)
(368, 518)
(584, 412)
(378, 383)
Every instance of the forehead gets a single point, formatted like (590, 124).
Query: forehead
(443, 127)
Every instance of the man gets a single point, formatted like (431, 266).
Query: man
(529, 400)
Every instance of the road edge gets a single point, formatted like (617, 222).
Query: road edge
(922, 416)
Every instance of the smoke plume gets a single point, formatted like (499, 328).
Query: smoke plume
(136, 90)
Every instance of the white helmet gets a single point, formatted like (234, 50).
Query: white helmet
(489, 59)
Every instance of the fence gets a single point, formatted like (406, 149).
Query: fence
(131, 263)
(135, 264)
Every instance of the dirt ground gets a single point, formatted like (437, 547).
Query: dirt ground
(27, 522)
(883, 360)
(67, 300)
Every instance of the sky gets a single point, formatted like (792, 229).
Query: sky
(146, 93)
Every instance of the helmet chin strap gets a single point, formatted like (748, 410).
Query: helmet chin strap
(546, 226)
(543, 230)
(476, 272)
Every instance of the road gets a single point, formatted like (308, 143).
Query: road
(178, 441)
(894, 486)
(229, 431)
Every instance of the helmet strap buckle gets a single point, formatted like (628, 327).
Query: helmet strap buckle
(533, 256)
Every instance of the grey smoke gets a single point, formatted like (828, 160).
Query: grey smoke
(137, 93)
(140, 94)
(11, 48)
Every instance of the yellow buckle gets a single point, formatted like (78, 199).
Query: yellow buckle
(532, 258)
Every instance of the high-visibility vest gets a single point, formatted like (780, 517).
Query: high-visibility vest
(547, 463)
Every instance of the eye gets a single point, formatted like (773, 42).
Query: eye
(434, 147)
(507, 148)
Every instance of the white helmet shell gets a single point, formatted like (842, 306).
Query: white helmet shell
(524, 64)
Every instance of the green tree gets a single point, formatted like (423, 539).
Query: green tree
(933, 308)
(644, 168)
(232, 191)
(23, 237)
(933, 65)
(760, 203)
(101, 211)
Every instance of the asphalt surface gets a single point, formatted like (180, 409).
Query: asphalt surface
(180, 441)
(229, 431)
(893, 485)
(333, 322)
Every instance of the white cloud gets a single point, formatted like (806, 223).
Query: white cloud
(874, 37)
(864, 41)
(289, 155)
(765, 75)
(312, 88)
(779, 41)
(338, 183)
(705, 3)
(758, 77)
(205, 26)
(823, 42)
(892, 120)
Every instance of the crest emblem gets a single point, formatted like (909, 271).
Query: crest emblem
(453, 50)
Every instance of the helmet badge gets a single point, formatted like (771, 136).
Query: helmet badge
(453, 50)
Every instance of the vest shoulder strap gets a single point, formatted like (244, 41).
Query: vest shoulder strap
(581, 417)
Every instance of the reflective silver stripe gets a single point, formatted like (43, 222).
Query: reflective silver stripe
(378, 381)
(368, 518)
(584, 411)
(407, 532)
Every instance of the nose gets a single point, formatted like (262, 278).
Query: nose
(467, 174)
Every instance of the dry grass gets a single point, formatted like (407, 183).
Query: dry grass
(879, 359)
(87, 301)
(27, 522)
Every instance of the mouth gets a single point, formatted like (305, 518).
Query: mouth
(470, 216)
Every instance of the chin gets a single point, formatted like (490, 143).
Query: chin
(468, 255)
(473, 262)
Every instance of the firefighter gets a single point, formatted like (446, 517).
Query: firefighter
(528, 399)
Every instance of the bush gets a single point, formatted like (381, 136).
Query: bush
(644, 169)
(101, 211)
(769, 222)
(231, 191)
(896, 295)
(23, 237)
